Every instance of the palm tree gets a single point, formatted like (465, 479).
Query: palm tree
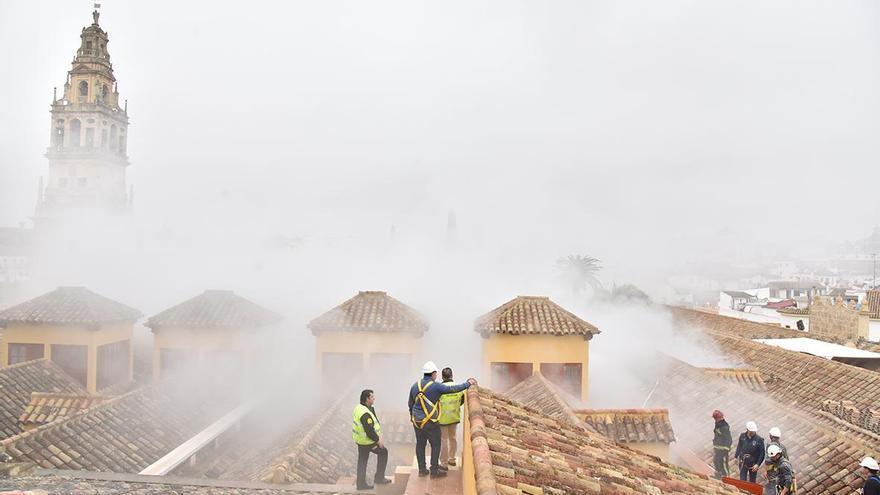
(579, 272)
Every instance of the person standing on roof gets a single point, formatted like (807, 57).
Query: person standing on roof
(870, 468)
(775, 433)
(780, 476)
(721, 444)
(450, 416)
(367, 434)
(424, 407)
(749, 452)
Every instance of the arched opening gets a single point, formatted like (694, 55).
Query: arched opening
(113, 137)
(104, 92)
(83, 90)
(58, 134)
(75, 129)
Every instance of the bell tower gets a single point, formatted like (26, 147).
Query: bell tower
(89, 131)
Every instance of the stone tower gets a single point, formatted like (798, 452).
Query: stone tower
(89, 131)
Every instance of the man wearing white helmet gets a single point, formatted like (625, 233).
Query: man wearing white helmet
(775, 433)
(749, 452)
(424, 407)
(870, 468)
(780, 478)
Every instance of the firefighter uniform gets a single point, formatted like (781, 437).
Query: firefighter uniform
(749, 453)
(721, 444)
(780, 475)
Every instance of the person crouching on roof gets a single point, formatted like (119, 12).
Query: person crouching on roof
(424, 407)
(780, 477)
(367, 434)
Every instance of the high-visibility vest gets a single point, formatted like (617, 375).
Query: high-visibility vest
(358, 434)
(431, 410)
(450, 408)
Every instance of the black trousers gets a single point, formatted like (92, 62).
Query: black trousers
(364, 456)
(721, 466)
(429, 434)
(747, 474)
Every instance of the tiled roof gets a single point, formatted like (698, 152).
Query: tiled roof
(533, 315)
(18, 381)
(791, 310)
(747, 377)
(738, 294)
(785, 303)
(69, 306)
(823, 452)
(125, 434)
(540, 394)
(93, 483)
(47, 407)
(845, 410)
(517, 450)
(871, 304)
(733, 326)
(370, 311)
(214, 309)
(630, 425)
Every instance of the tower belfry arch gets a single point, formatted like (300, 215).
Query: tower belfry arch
(87, 149)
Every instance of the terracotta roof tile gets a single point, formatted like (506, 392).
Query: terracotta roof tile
(69, 306)
(124, 434)
(747, 377)
(871, 304)
(630, 425)
(370, 311)
(47, 407)
(517, 450)
(530, 315)
(214, 309)
(18, 381)
(540, 394)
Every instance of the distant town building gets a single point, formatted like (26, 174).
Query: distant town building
(89, 137)
(87, 335)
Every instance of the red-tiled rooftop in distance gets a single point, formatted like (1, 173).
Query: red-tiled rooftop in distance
(517, 450)
(370, 311)
(630, 425)
(533, 315)
(47, 407)
(69, 306)
(785, 303)
(747, 377)
(18, 381)
(871, 304)
(214, 309)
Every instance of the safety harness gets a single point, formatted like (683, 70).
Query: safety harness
(425, 404)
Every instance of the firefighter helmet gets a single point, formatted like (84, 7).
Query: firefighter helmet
(870, 463)
(775, 432)
(751, 426)
(774, 450)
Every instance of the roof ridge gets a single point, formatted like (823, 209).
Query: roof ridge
(554, 392)
(484, 472)
(27, 363)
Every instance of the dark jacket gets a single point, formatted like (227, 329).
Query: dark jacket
(367, 421)
(722, 440)
(432, 393)
(780, 473)
(872, 485)
(750, 450)
(784, 450)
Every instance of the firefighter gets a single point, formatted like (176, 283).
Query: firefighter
(780, 477)
(450, 416)
(774, 434)
(721, 444)
(367, 434)
(870, 469)
(424, 407)
(749, 452)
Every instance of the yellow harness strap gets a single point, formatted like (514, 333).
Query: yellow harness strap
(425, 403)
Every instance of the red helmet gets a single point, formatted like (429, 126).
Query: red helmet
(716, 414)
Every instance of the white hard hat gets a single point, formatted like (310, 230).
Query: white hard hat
(429, 368)
(775, 432)
(870, 463)
(751, 426)
(773, 450)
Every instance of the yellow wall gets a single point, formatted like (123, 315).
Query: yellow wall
(537, 349)
(90, 337)
(367, 343)
(202, 341)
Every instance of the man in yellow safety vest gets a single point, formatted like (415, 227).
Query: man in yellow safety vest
(450, 416)
(367, 434)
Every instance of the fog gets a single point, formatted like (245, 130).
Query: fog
(298, 152)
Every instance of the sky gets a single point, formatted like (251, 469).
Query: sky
(646, 134)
